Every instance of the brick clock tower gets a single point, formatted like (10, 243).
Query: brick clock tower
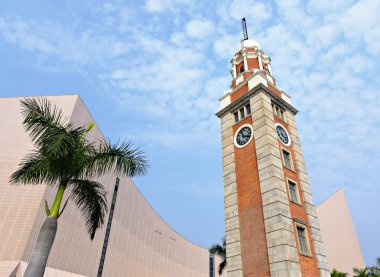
(271, 222)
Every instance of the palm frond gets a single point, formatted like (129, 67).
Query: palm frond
(222, 266)
(59, 141)
(40, 115)
(56, 141)
(90, 197)
(336, 273)
(48, 130)
(217, 249)
(220, 250)
(33, 169)
(360, 272)
(122, 158)
(375, 270)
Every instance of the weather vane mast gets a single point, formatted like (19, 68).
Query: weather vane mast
(245, 32)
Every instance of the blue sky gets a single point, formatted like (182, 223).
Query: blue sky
(153, 70)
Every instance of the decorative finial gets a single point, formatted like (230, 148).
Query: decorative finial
(245, 32)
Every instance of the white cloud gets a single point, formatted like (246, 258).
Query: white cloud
(335, 52)
(163, 5)
(361, 22)
(57, 47)
(20, 33)
(250, 9)
(199, 28)
(225, 46)
(328, 6)
(179, 38)
(119, 74)
(155, 5)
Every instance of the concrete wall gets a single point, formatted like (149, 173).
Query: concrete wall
(338, 232)
(18, 204)
(140, 244)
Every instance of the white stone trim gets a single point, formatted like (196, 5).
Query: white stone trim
(245, 62)
(282, 150)
(281, 243)
(269, 68)
(303, 226)
(260, 63)
(231, 211)
(239, 79)
(225, 101)
(299, 202)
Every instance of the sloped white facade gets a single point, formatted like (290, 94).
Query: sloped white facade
(140, 242)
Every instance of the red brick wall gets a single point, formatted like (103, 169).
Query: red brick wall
(253, 63)
(240, 92)
(274, 90)
(252, 233)
(308, 265)
(241, 64)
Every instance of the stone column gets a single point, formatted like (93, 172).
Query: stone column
(245, 60)
(234, 263)
(234, 70)
(304, 186)
(281, 244)
(260, 62)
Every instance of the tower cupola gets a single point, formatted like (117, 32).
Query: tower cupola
(249, 68)
(249, 58)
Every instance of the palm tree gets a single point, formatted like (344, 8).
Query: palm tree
(220, 250)
(336, 273)
(375, 270)
(358, 272)
(64, 157)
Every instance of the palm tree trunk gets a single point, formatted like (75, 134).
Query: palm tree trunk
(45, 239)
(41, 250)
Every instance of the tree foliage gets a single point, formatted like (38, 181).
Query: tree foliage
(220, 250)
(375, 269)
(336, 273)
(64, 157)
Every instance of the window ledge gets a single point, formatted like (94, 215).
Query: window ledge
(297, 203)
(290, 169)
(282, 120)
(306, 255)
(242, 119)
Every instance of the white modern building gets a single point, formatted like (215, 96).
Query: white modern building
(138, 243)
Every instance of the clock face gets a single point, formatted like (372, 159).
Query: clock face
(282, 134)
(243, 136)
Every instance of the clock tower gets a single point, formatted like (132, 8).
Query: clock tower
(271, 222)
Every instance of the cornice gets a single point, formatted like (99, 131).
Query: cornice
(255, 90)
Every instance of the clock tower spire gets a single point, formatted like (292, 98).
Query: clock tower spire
(271, 222)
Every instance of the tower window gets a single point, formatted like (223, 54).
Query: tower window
(241, 70)
(236, 114)
(248, 109)
(302, 239)
(293, 191)
(242, 114)
(277, 111)
(287, 158)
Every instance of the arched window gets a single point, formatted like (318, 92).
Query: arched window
(241, 70)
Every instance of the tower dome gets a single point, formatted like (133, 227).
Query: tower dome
(249, 43)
